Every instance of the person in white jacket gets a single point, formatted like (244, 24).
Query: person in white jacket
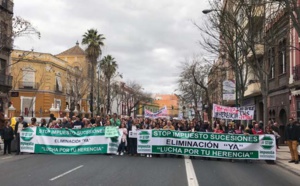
(121, 148)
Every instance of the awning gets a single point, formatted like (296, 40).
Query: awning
(296, 92)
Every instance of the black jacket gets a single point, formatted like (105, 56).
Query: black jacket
(8, 133)
(17, 126)
(292, 132)
(66, 125)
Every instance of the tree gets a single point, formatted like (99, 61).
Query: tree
(250, 38)
(77, 86)
(193, 84)
(293, 9)
(11, 29)
(221, 35)
(94, 42)
(133, 95)
(190, 93)
(116, 95)
(109, 68)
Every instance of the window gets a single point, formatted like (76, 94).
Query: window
(2, 66)
(57, 103)
(28, 106)
(271, 61)
(3, 33)
(28, 78)
(58, 83)
(282, 57)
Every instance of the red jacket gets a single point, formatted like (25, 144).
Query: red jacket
(218, 131)
(259, 132)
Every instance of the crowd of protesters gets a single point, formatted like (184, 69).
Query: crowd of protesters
(127, 124)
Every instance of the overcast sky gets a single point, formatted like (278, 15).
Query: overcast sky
(148, 38)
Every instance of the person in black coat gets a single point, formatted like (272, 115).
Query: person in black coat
(292, 136)
(7, 137)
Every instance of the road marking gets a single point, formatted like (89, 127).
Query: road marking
(7, 157)
(190, 173)
(63, 174)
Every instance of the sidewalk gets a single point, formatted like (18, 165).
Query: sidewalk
(283, 156)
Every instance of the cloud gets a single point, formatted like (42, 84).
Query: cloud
(148, 38)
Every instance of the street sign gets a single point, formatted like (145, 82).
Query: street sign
(14, 94)
(228, 90)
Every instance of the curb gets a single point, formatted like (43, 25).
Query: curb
(287, 168)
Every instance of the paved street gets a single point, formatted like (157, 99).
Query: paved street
(31, 170)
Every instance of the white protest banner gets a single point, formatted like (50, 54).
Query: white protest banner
(67, 141)
(259, 147)
(233, 113)
(162, 112)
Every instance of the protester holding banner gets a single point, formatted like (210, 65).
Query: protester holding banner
(33, 123)
(248, 129)
(115, 121)
(133, 140)
(218, 130)
(230, 129)
(66, 124)
(78, 123)
(169, 126)
(240, 129)
(43, 123)
(107, 123)
(20, 125)
(257, 129)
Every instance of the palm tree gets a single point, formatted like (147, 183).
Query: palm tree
(109, 67)
(94, 42)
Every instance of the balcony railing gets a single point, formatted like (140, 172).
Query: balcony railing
(296, 72)
(7, 5)
(5, 80)
(28, 85)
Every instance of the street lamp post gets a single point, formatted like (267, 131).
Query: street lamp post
(236, 58)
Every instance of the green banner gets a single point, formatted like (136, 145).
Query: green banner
(111, 132)
(207, 144)
(68, 141)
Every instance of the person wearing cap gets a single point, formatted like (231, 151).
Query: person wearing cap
(20, 125)
(292, 135)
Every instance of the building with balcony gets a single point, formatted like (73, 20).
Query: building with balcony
(277, 56)
(6, 14)
(39, 81)
(43, 79)
(294, 78)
